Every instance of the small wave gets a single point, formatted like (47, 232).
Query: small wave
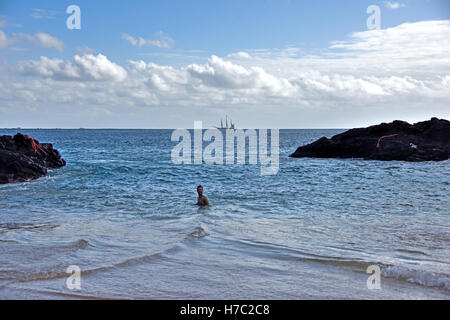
(71, 246)
(46, 275)
(281, 252)
(420, 277)
(81, 244)
(412, 252)
(137, 260)
(5, 227)
(198, 233)
(70, 295)
(58, 272)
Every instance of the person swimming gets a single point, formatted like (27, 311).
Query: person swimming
(202, 199)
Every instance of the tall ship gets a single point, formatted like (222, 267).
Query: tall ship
(226, 124)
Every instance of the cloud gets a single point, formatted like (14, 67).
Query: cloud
(394, 5)
(83, 68)
(39, 39)
(37, 13)
(162, 40)
(221, 74)
(399, 69)
(219, 81)
(4, 41)
(407, 46)
(239, 55)
(48, 41)
(4, 23)
(85, 50)
(129, 38)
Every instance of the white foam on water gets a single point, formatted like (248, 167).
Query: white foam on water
(423, 278)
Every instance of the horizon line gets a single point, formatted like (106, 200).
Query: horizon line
(20, 128)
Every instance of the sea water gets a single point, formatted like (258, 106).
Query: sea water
(123, 213)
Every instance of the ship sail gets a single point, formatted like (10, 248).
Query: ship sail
(231, 126)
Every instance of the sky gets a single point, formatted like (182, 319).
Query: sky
(264, 63)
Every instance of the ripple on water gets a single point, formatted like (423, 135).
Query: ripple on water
(121, 202)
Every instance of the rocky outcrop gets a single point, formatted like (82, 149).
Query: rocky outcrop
(398, 140)
(22, 158)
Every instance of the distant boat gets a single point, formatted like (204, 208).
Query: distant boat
(226, 124)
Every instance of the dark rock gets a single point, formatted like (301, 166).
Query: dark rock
(398, 140)
(22, 158)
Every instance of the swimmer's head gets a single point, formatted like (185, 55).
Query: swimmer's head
(200, 190)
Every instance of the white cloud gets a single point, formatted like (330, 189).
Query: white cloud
(129, 38)
(83, 68)
(39, 39)
(394, 5)
(239, 55)
(48, 41)
(162, 40)
(4, 23)
(37, 13)
(409, 38)
(219, 81)
(4, 41)
(222, 74)
(85, 50)
(398, 69)
(410, 48)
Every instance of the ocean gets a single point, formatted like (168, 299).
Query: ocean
(123, 213)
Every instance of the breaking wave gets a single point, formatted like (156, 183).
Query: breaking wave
(420, 277)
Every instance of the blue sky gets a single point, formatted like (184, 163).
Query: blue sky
(274, 34)
(215, 27)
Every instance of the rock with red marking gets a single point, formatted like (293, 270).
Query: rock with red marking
(22, 158)
(398, 140)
